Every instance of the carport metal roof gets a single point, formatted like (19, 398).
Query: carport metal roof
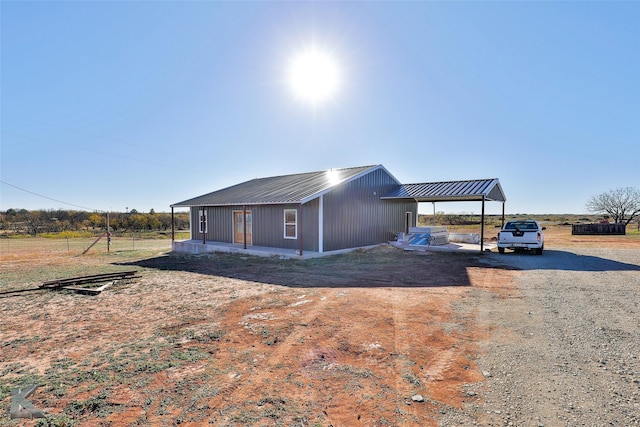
(450, 191)
(453, 191)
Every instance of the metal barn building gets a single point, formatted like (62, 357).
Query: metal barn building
(315, 212)
(318, 211)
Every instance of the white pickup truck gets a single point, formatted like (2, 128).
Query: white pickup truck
(521, 234)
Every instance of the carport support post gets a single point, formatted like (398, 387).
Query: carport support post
(173, 229)
(482, 228)
(502, 225)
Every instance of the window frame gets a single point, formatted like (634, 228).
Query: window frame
(291, 223)
(202, 212)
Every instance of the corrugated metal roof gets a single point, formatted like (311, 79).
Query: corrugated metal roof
(297, 188)
(468, 190)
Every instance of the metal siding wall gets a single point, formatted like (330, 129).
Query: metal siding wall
(263, 228)
(310, 225)
(355, 216)
(267, 225)
(219, 224)
(195, 235)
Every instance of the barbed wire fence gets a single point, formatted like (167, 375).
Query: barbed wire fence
(77, 245)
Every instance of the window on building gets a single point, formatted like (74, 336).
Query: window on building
(290, 224)
(202, 214)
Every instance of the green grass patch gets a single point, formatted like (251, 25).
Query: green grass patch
(67, 235)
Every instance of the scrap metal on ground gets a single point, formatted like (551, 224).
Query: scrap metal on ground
(75, 283)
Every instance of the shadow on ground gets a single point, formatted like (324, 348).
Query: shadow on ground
(562, 260)
(380, 267)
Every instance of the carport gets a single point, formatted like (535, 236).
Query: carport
(481, 190)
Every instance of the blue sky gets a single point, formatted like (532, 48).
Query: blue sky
(114, 105)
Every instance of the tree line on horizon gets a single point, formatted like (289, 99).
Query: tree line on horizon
(621, 205)
(33, 222)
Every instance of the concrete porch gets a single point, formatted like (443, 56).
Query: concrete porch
(197, 247)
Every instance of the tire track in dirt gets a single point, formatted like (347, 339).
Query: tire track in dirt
(284, 349)
(303, 311)
(405, 331)
(406, 328)
(440, 364)
(398, 310)
(433, 346)
(321, 358)
(406, 382)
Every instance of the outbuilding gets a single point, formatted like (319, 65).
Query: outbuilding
(315, 212)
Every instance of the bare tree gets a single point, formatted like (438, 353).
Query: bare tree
(621, 204)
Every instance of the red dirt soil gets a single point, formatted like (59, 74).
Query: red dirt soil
(230, 340)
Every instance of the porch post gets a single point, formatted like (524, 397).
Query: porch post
(482, 227)
(300, 228)
(321, 225)
(203, 221)
(244, 225)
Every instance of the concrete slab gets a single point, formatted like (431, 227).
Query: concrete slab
(197, 247)
(449, 247)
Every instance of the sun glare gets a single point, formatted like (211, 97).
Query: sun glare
(314, 76)
(333, 177)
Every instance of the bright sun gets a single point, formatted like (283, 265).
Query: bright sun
(314, 76)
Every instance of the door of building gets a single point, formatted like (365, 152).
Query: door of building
(239, 228)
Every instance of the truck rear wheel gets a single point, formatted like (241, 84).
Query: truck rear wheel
(539, 251)
(501, 250)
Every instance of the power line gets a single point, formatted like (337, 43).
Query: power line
(45, 197)
(94, 136)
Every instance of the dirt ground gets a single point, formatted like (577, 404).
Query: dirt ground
(383, 337)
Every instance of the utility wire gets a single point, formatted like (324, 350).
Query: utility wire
(49, 198)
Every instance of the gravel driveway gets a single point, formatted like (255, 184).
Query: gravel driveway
(564, 348)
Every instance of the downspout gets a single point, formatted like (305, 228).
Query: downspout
(203, 221)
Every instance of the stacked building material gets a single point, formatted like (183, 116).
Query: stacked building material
(428, 236)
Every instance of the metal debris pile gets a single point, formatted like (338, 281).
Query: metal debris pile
(83, 284)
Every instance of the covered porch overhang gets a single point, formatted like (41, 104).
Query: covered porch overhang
(480, 190)
(247, 248)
